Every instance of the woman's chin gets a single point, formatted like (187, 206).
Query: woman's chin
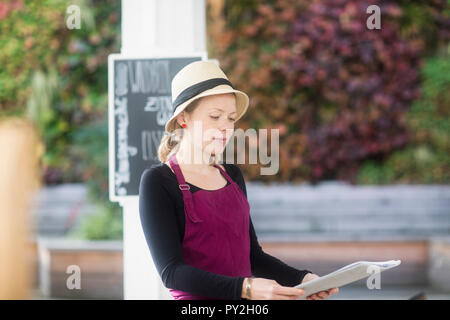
(215, 147)
(217, 150)
(218, 146)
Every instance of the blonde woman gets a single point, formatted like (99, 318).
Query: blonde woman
(194, 211)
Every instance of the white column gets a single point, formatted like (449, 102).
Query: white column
(154, 26)
(149, 28)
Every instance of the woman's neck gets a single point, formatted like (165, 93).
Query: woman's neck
(193, 160)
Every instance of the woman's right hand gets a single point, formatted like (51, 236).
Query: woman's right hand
(267, 289)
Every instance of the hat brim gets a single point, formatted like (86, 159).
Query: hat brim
(242, 102)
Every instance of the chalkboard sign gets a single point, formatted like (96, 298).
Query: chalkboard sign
(139, 104)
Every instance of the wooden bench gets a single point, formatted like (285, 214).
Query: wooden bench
(324, 227)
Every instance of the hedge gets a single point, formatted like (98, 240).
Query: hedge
(338, 92)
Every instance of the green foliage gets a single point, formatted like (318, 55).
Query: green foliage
(58, 78)
(27, 32)
(106, 224)
(427, 158)
(89, 151)
(55, 75)
(415, 22)
(338, 93)
(303, 64)
(44, 108)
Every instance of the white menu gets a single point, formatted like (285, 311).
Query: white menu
(345, 275)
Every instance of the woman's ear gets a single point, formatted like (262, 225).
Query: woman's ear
(181, 118)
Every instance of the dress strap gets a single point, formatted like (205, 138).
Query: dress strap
(224, 173)
(176, 168)
(185, 189)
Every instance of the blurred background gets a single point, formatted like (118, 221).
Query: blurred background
(363, 117)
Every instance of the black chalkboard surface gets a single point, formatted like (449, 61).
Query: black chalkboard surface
(140, 103)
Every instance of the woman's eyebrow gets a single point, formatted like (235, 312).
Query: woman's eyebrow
(224, 111)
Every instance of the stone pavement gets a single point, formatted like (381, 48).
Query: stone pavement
(353, 293)
(388, 293)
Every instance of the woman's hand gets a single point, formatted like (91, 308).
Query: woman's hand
(319, 295)
(267, 289)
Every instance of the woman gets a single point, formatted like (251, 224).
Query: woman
(194, 211)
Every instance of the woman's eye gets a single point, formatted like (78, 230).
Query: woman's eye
(217, 117)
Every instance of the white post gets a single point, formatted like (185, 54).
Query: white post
(150, 27)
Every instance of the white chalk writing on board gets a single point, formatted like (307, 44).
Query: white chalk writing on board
(162, 106)
(122, 174)
(150, 143)
(149, 77)
(121, 79)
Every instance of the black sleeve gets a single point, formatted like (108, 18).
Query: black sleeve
(265, 265)
(158, 219)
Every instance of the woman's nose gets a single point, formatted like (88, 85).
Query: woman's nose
(227, 126)
(228, 132)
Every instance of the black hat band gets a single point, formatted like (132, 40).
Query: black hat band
(197, 88)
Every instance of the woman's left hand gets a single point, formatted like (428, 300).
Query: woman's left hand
(319, 295)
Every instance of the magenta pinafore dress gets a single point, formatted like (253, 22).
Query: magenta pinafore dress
(216, 235)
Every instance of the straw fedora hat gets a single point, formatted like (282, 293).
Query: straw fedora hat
(200, 79)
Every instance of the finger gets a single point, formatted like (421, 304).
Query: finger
(323, 294)
(317, 297)
(290, 296)
(289, 291)
(283, 297)
(334, 290)
(331, 291)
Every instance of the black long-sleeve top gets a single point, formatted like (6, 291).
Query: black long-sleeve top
(161, 209)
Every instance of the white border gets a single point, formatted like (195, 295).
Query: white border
(111, 129)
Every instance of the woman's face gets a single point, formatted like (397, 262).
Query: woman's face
(215, 115)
